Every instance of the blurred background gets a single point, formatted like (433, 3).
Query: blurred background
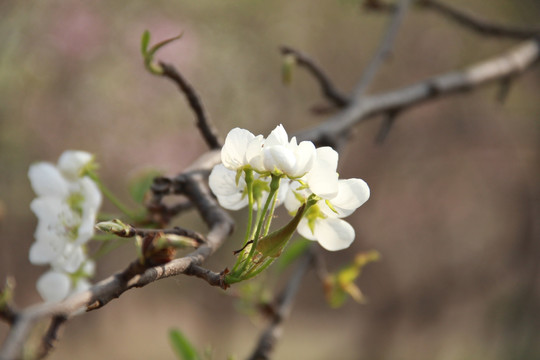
(455, 187)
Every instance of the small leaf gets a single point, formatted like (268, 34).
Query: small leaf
(145, 41)
(161, 44)
(287, 68)
(182, 347)
(140, 185)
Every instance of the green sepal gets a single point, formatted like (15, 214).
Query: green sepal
(272, 244)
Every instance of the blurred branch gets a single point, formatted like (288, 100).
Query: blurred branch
(510, 64)
(207, 130)
(384, 50)
(481, 26)
(282, 309)
(51, 336)
(328, 89)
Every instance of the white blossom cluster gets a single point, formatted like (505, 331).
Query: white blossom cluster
(303, 170)
(66, 206)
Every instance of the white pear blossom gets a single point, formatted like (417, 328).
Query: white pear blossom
(305, 172)
(278, 155)
(66, 207)
(233, 196)
(233, 153)
(323, 221)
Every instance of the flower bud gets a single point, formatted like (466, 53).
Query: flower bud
(115, 226)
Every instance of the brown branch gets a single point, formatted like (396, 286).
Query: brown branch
(386, 125)
(510, 64)
(282, 309)
(51, 336)
(328, 89)
(207, 130)
(384, 50)
(8, 314)
(481, 26)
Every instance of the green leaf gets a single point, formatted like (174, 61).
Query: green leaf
(161, 44)
(182, 347)
(140, 185)
(145, 41)
(293, 252)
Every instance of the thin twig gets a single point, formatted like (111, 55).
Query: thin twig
(283, 307)
(207, 130)
(384, 50)
(386, 125)
(328, 89)
(481, 26)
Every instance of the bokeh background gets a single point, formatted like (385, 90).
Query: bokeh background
(455, 188)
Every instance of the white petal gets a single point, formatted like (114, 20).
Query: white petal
(222, 181)
(91, 194)
(323, 181)
(327, 157)
(254, 153)
(323, 178)
(89, 268)
(70, 260)
(71, 162)
(233, 153)
(352, 193)
(46, 180)
(291, 202)
(42, 253)
(279, 158)
(304, 230)
(53, 286)
(56, 219)
(334, 234)
(233, 202)
(305, 157)
(85, 231)
(278, 136)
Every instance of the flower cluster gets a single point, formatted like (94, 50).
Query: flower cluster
(257, 172)
(66, 207)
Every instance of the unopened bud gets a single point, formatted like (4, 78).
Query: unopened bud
(114, 226)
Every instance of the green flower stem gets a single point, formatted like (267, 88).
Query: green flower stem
(271, 216)
(112, 198)
(249, 188)
(256, 270)
(274, 186)
(249, 185)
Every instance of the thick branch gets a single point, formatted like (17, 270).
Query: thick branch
(283, 307)
(480, 25)
(208, 131)
(510, 64)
